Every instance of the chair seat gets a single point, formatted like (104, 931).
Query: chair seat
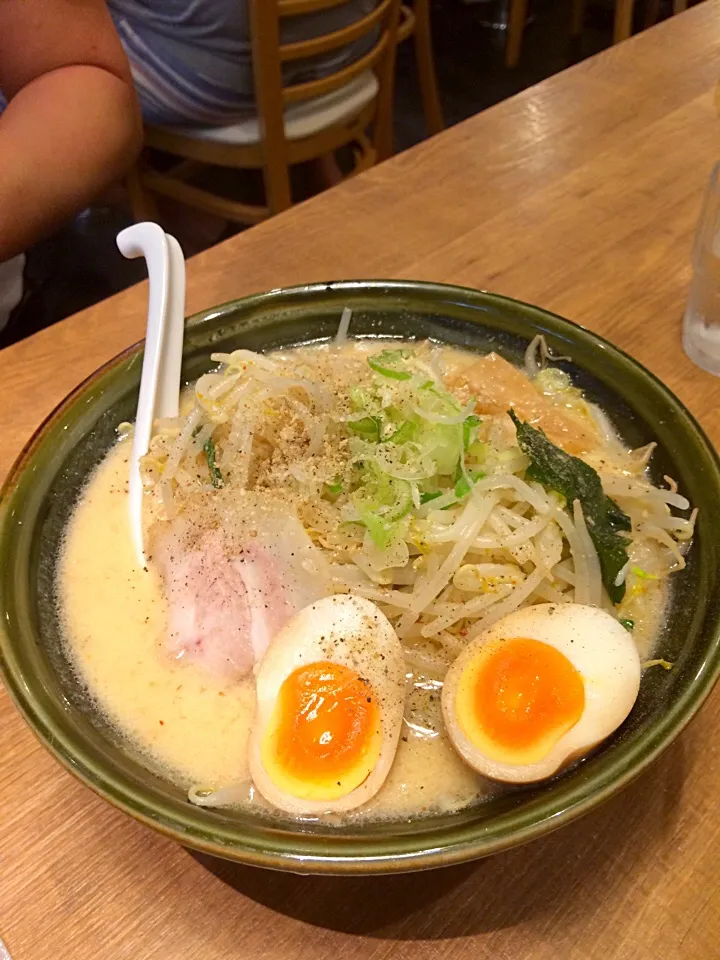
(302, 119)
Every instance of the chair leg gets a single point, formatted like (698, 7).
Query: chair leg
(142, 201)
(623, 20)
(652, 12)
(427, 77)
(515, 30)
(329, 172)
(276, 177)
(578, 18)
(384, 142)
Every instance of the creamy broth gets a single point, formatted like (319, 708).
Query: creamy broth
(182, 720)
(193, 725)
(115, 616)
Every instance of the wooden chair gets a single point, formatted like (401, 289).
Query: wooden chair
(415, 21)
(517, 15)
(622, 26)
(295, 123)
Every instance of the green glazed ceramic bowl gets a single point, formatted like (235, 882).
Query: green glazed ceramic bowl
(38, 497)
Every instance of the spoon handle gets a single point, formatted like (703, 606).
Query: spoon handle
(160, 379)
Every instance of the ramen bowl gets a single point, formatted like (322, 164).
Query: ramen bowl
(39, 495)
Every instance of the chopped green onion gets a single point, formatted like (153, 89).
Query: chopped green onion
(368, 428)
(385, 363)
(380, 530)
(403, 501)
(462, 487)
(382, 496)
(551, 380)
(665, 664)
(415, 444)
(406, 431)
(643, 574)
(436, 399)
(465, 482)
(468, 425)
(358, 398)
(216, 478)
(477, 450)
(335, 487)
(627, 623)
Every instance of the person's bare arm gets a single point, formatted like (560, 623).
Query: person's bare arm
(72, 125)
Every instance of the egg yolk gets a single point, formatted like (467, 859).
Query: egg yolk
(520, 697)
(325, 735)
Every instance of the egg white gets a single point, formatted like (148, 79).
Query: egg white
(600, 649)
(354, 633)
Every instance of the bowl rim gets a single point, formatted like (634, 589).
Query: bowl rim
(294, 850)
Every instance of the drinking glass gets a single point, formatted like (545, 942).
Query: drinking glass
(701, 327)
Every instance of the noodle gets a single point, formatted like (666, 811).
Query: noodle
(417, 503)
(513, 602)
(341, 336)
(463, 611)
(590, 557)
(479, 512)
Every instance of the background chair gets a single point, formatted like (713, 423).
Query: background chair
(294, 123)
(517, 16)
(622, 26)
(415, 21)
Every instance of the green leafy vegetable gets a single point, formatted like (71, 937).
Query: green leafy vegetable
(216, 478)
(427, 497)
(576, 480)
(388, 364)
(627, 623)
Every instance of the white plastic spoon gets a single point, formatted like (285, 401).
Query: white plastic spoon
(160, 380)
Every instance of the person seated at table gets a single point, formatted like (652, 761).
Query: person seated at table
(191, 59)
(70, 126)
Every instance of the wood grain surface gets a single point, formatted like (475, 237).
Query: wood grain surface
(580, 195)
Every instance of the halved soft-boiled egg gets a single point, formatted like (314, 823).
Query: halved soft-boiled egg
(330, 701)
(539, 688)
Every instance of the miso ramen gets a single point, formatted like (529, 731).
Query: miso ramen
(381, 580)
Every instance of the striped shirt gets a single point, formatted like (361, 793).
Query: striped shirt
(191, 59)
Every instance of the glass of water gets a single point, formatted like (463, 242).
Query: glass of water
(701, 327)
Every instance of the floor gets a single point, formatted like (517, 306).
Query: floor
(81, 265)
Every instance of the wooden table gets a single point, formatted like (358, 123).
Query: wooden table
(581, 195)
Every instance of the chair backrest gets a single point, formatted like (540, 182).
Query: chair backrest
(270, 55)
